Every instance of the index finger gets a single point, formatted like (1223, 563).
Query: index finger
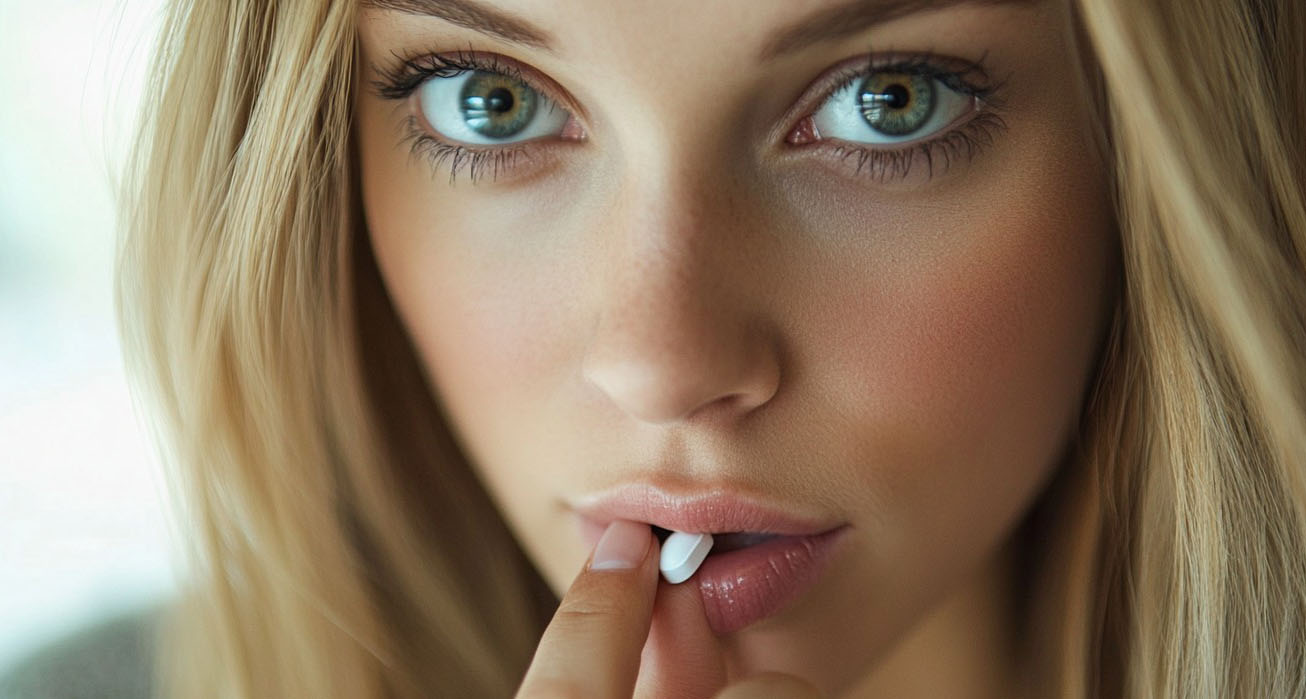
(592, 646)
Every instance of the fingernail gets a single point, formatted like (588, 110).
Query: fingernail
(622, 546)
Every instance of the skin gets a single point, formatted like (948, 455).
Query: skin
(682, 298)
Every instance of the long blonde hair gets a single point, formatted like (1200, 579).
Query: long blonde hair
(328, 508)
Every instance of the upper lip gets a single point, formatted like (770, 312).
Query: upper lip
(713, 511)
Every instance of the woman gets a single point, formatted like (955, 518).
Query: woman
(972, 330)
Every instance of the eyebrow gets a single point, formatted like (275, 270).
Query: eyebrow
(823, 25)
(852, 17)
(475, 16)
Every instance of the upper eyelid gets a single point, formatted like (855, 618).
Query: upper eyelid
(830, 80)
(515, 69)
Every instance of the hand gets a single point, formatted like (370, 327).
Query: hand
(622, 631)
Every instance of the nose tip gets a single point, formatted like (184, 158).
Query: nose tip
(674, 383)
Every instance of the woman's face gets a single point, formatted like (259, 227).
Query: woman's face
(849, 260)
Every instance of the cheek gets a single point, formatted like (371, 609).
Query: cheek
(489, 334)
(465, 278)
(1000, 348)
(970, 356)
(488, 340)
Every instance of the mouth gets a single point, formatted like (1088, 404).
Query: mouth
(763, 558)
(723, 542)
(714, 512)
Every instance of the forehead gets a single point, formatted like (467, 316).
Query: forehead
(771, 28)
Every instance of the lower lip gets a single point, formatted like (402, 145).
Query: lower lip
(744, 586)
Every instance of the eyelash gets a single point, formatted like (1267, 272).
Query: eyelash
(967, 140)
(400, 81)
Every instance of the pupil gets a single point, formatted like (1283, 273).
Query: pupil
(499, 100)
(898, 97)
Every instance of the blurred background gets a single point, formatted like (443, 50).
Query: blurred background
(83, 527)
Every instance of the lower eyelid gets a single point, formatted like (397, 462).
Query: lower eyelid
(886, 164)
(936, 154)
(517, 160)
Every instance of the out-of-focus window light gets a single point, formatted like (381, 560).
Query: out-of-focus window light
(83, 530)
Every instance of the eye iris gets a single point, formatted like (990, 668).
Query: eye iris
(496, 106)
(897, 103)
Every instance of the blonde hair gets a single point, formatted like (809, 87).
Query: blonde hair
(327, 504)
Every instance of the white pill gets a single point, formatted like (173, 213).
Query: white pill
(682, 554)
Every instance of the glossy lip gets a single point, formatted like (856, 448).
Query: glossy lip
(739, 587)
(715, 512)
(747, 585)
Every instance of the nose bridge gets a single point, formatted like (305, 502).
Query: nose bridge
(675, 328)
(672, 231)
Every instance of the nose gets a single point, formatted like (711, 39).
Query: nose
(677, 334)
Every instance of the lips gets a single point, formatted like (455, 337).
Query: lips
(714, 512)
(763, 559)
(747, 585)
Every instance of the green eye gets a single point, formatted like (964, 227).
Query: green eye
(496, 106)
(487, 108)
(896, 104)
(890, 106)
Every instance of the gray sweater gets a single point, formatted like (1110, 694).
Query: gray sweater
(109, 659)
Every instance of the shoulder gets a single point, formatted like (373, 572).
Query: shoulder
(112, 657)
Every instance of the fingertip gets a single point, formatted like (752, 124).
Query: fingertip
(623, 546)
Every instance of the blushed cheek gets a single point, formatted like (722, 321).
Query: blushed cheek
(982, 359)
(488, 334)
(489, 337)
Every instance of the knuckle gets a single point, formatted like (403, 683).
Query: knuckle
(583, 611)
